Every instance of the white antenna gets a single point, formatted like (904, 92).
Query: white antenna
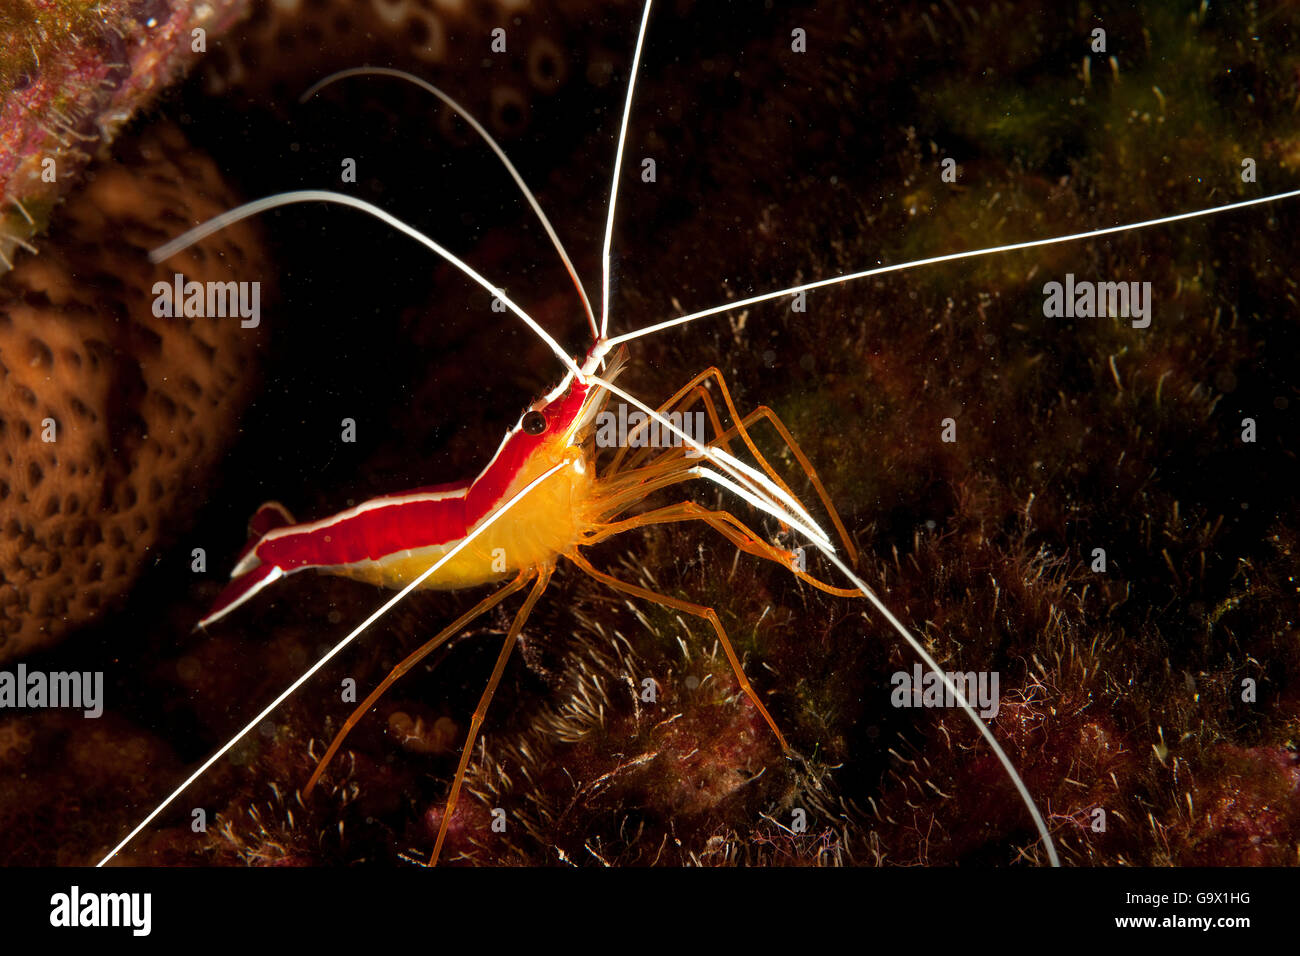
(356, 632)
(618, 169)
(949, 257)
(487, 138)
(217, 223)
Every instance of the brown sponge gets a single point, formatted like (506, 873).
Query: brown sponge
(138, 407)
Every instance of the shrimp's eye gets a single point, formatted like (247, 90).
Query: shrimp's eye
(534, 423)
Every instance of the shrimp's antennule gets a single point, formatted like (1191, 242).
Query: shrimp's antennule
(492, 143)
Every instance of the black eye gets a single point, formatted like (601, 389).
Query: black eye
(534, 423)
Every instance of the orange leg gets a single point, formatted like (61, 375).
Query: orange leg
(731, 527)
(631, 488)
(716, 374)
(419, 654)
(476, 721)
(693, 385)
(697, 610)
(693, 389)
(690, 392)
(678, 403)
(764, 412)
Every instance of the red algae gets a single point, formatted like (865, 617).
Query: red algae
(72, 74)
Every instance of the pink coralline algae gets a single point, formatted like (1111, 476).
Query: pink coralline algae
(71, 74)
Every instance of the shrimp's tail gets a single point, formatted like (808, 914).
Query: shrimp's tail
(249, 575)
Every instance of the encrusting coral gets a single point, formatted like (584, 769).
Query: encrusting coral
(109, 413)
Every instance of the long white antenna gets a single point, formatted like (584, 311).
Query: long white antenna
(618, 169)
(819, 540)
(930, 662)
(217, 223)
(288, 691)
(950, 257)
(487, 138)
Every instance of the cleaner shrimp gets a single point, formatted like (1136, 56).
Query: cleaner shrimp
(761, 488)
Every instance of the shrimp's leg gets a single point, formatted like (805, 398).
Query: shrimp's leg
(731, 527)
(762, 411)
(722, 437)
(697, 610)
(741, 428)
(476, 721)
(417, 655)
(621, 460)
